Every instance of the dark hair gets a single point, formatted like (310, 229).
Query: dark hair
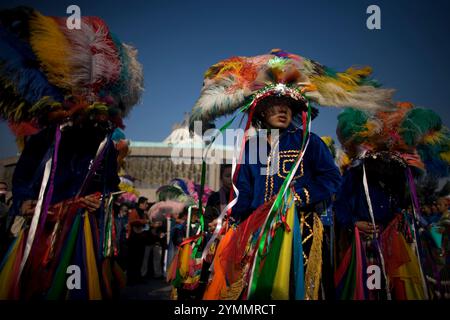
(295, 106)
(142, 200)
(5, 183)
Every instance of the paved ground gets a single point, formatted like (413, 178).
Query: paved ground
(152, 289)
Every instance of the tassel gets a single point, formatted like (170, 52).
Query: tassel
(314, 268)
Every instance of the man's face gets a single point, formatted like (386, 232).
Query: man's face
(143, 205)
(442, 205)
(277, 116)
(226, 177)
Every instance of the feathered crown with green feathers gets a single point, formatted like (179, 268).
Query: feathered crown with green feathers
(233, 82)
(416, 135)
(49, 73)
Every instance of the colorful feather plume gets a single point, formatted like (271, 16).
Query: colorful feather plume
(94, 57)
(417, 134)
(184, 191)
(231, 82)
(49, 73)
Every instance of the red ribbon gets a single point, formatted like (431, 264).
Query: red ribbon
(190, 239)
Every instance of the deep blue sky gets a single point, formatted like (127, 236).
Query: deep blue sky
(178, 40)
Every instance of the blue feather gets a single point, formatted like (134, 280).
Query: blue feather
(19, 65)
(117, 135)
(180, 183)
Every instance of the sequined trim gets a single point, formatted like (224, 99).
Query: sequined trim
(314, 269)
(288, 156)
(282, 158)
(297, 197)
(306, 192)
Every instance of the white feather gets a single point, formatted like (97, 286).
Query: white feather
(92, 58)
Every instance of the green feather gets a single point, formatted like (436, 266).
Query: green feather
(351, 122)
(330, 72)
(417, 123)
(169, 193)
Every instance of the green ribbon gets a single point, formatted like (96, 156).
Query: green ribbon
(203, 178)
(274, 211)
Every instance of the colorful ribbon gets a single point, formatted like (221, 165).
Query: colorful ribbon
(417, 216)
(377, 243)
(42, 204)
(263, 237)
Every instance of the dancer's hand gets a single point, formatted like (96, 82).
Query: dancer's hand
(367, 227)
(212, 225)
(91, 202)
(27, 208)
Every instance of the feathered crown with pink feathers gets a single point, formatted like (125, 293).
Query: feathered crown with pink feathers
(231, 83)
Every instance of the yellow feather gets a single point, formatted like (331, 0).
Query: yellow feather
(445, 156)
(434, 137)
(328, 140)
(342, 160)
(52, 49)
(322, 81)
(346, 80)
(353, 75)
(220, 68)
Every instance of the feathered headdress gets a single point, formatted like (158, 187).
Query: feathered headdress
(185, 191)
(233, 82)
(49, 73)
(416, 135)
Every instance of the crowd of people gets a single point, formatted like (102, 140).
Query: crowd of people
(295, 217)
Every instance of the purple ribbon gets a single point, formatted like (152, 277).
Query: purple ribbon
(412, 189)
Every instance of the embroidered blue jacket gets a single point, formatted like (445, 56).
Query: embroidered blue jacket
(262, 172)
